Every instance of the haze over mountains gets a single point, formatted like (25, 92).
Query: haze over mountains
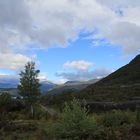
(10, 84)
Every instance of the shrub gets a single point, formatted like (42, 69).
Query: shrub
(5, 100)
(75, 124)
(117, 118)
(136, 127)
(138, 114)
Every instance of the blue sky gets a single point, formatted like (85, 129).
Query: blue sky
(68, 39)
(105, 56)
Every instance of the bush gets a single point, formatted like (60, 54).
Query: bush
(136, 127)
(75, 124)
(5, 100)
(138, 114)
(117, 118)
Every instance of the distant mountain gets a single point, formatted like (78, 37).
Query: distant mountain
(8, 82)
(123, 84)
(11, 85)
(72, 85)
(8, 85)
(47, 86)
(72, 82)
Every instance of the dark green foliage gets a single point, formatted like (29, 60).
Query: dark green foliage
(138, 115)
(136, 127)
(75, 124)
(59, 99)
(5, 100)
(5, 103)
(117, 118)
(29, 86)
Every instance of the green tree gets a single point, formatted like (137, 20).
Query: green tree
(29, 86)
(75, 123)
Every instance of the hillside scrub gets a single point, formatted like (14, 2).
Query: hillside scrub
(74, 123)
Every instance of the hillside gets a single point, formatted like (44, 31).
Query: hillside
(47, 86)
(123, 84)
(126, 75)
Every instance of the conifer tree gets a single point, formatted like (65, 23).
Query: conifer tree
(29, 86)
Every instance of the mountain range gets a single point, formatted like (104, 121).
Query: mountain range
(46, 86)
(11, 85)
(72, 85)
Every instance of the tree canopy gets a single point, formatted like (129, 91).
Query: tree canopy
(29, 83)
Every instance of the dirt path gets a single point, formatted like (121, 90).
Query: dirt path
(50, 111)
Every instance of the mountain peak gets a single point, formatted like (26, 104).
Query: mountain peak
(136, 60)
(71, 82)
(128, 74)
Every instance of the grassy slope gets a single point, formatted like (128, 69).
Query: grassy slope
(123, 84)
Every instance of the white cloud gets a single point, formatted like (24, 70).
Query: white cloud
(84, 76)
(59, 82)
(7, 78)
(123, 30)
(56, 22)
(48, 22)
(126, 35)
(13, 61)
(82, 71)
(43, 76)
(80, 65)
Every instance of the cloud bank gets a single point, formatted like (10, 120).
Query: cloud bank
(80, 65)
(55, 23)
(82, 71)
(84, 76)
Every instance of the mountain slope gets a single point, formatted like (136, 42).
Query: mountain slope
(123, 84)
(128, 74)
(47, 86)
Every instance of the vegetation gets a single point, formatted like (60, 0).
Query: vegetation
(29, 86)
(123, 84)
(74, 123)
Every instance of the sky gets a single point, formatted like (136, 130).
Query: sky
(68, 39)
